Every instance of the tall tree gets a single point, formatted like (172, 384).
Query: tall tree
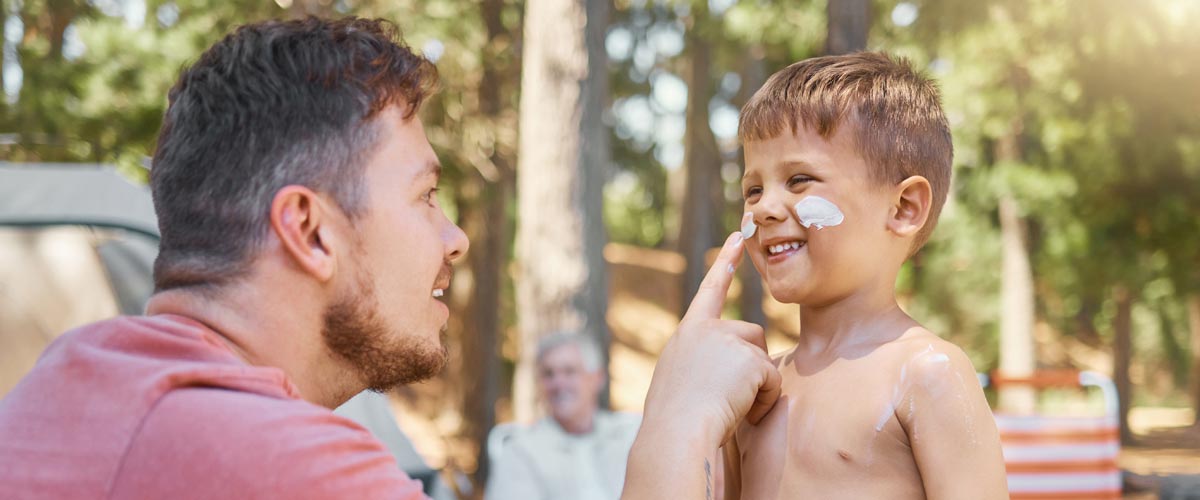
(1193, 311)
(849, 22)
(753, 75)
(304, 8)
(1017, 354)
(700, 219)
(563, 156)
(1123, 357)
(487, 195)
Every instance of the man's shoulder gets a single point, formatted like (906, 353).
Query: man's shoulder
(257, 444)
(209, 415)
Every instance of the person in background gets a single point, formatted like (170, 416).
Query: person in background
(578, 451)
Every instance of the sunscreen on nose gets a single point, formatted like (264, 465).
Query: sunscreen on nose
(817, 211)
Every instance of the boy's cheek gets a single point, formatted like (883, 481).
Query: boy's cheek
(757, 258)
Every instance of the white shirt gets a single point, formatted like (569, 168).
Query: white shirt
(544, 462)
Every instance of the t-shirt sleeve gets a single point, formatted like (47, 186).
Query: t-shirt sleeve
(214, 443)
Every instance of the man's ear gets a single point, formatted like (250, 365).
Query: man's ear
(302, 222)
(910, 206)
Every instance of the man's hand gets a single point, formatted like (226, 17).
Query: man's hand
(712, 370)
(712, 373)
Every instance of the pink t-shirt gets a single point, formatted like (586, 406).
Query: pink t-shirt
(159, 407)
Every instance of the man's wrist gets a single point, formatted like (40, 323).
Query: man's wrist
(685, 426)
(668, 460)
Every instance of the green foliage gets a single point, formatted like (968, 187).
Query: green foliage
(1103, 104)
(106, 103)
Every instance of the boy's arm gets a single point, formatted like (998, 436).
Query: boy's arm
(950, 427)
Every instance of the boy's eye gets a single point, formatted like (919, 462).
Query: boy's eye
(431, 195)
(798, 179)
(751, 192)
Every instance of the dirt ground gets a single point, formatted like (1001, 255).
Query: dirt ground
(1167, 444)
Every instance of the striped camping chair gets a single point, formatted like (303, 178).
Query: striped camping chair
(1061, 457)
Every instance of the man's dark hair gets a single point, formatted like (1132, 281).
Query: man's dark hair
(272, 104)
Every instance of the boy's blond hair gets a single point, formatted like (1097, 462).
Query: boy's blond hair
(895, 115)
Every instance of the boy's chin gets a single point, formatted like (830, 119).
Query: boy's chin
(788, 294)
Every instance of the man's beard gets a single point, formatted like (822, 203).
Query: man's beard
(354, 331)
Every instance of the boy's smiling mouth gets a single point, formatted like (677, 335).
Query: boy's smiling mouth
(782, 247)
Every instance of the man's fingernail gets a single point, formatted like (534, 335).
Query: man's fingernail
(730, 269)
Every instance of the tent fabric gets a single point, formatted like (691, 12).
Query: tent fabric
(51, 280)
(67, 194)
(129, 263)
(371, 410)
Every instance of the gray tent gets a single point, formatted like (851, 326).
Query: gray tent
(77, 244)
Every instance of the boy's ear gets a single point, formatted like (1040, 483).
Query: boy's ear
(910, 208)
(303, 224)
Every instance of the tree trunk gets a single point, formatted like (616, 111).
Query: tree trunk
(562, 282)
(3, 59)
(52, 20)
(304, 8)
(489, 227)
(754, 74)
(1122, 356)
(1193, 309)
(1016, 318)
(700, 224)
(848, 24)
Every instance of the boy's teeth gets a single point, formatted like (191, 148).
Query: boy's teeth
(438, 292)
(783, 247)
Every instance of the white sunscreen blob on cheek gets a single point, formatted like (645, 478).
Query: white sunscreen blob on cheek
(748, 225)
(817, 211)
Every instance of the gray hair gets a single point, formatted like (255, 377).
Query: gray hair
(587, 348)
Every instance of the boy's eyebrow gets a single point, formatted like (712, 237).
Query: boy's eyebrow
(797, 163)
(784, 163)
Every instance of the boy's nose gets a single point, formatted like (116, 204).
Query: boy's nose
(771, 207)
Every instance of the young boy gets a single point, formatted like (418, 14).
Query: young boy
(847, 167)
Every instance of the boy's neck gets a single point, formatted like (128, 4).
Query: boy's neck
(864, 318)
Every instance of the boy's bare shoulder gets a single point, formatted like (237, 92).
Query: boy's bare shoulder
(930, 363)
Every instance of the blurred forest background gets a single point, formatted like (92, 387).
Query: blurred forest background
(591, 156)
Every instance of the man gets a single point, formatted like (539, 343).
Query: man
(578, 451)
(296, 194)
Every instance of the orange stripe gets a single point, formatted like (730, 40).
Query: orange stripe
(1057, 467)
(1068, 495)
(1097, 436)
(1041, 378)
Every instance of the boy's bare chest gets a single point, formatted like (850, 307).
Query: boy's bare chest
(833, 434)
